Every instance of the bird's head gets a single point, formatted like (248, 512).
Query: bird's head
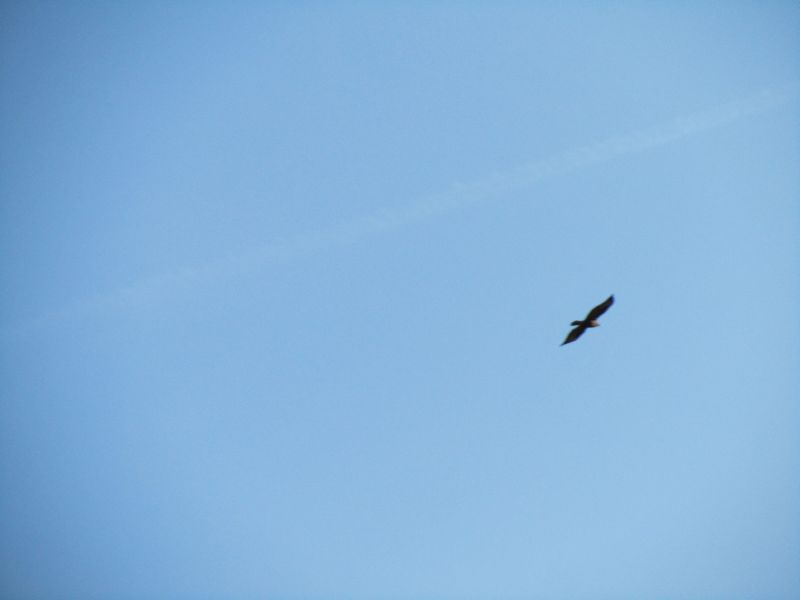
(593, 324)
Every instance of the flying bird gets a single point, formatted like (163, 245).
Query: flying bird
(589, 321)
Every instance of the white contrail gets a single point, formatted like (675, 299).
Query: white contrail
(458, 196)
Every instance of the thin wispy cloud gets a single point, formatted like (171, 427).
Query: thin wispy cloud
(459, 196)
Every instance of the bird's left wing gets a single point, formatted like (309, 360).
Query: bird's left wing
(600, 308)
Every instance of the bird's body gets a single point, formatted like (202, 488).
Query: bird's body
(589, 321)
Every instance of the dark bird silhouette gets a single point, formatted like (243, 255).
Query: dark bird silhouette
(589, 321)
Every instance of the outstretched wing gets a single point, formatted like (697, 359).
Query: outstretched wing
(600, 309)
(574, 334)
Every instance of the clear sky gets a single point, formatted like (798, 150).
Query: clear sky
(284, 286)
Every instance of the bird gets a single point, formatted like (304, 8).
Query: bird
(589, 321)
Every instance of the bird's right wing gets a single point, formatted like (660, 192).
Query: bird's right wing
(574, 334)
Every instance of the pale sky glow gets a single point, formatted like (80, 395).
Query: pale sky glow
(285, 283)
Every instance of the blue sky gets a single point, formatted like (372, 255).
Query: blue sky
(285, 283)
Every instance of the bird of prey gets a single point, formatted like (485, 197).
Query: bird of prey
(589, 321)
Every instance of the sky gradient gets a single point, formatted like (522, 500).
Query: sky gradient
(285, 283)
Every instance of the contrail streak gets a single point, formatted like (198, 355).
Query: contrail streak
(459, 196)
